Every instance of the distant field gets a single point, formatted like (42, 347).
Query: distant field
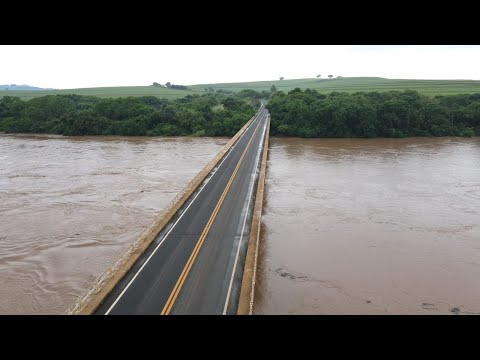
(427, 87)
(106, 92)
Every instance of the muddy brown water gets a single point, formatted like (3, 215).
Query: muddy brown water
(371, 226)
(350, 226)
(69, 206)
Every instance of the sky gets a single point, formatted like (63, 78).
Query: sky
(78, 66)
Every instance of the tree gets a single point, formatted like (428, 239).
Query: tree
(339, 77)
(281, 78)
(156, 84)
(273, 89)
(319, 76)
(330, 76)
(146, 115)
(168, 84)
(248, 93)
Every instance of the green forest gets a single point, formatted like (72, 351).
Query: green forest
(194, 115)
(302, 113)
(373, 114)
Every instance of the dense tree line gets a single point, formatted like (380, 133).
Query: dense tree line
(297, 113)
(171, 86)
(206, 115)
(373, 114)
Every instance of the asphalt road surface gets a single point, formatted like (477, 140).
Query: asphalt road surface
(195, 264)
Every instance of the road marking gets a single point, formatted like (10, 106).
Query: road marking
(173, 226)
(178, 286)
(243, 230)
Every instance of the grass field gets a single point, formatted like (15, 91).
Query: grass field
(427, 87)
(106, 92)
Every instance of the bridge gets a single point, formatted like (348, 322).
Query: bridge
(195, 264)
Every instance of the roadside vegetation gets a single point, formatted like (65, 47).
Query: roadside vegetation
(373, 114)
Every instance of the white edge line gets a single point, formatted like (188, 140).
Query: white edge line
(169, 231)
(243, 228)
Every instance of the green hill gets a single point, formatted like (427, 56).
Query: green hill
(108, 92)
(354, 84)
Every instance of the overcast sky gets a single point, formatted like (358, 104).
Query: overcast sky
(76, 66)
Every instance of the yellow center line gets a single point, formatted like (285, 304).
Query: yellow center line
(178, 286)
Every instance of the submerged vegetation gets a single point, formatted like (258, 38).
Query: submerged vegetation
(373, 114)
(206, 115)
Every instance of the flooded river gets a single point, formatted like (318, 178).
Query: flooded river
(70, 205)
(350, 226)
(371, 226)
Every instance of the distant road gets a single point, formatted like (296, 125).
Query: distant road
(195, 265)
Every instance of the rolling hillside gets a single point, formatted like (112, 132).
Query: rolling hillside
(427, 87)
(15, 87)
(106, 92)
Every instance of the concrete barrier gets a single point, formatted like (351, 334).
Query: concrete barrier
(88, 302)
(247, 291)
